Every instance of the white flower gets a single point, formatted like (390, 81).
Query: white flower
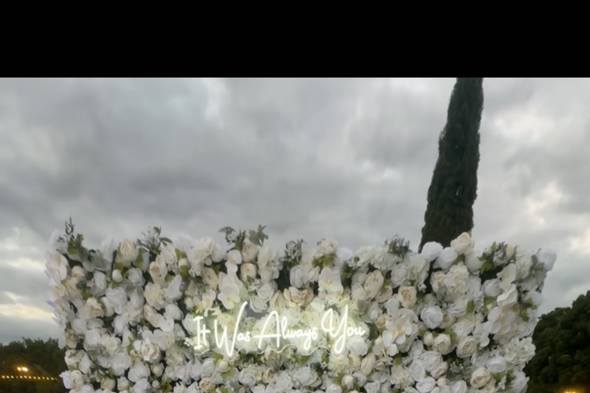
(230, 288)
(459, 387)
(326, 247)
(466, 347)
(463, 244)
(305, 376)
(247, 271)
(357, 345)
(407, 296)
(329, 281)
(432, 316)
(446, 258)
(127, 252)
(149, 352)
(431, 250)
(442, 343)
(426, 385)
(234, 257)
(249, 251)
(496, 364)
(373, 284)
(509, 297)
(519, 382)
(248, 376)
(480, 377)
(120, 362)
(518, 352)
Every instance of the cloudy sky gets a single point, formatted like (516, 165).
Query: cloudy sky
(344, 159)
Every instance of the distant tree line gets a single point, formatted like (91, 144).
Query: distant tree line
(42, 358)
(562, 359)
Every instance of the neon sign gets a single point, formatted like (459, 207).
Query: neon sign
(275, 329)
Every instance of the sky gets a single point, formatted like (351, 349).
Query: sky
(345, 159)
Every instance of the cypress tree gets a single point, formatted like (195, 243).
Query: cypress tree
(453, 188)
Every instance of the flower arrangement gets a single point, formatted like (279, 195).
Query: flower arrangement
(445, 320)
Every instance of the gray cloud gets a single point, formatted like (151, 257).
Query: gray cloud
(348, 159)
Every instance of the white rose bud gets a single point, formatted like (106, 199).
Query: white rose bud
(127, 252)
(428, 339)
(443, 344)
(373, 284)
(247, 271)
(480, 377)
(466, 347)
(249, 251)
(432, 316)
(348, 381)
(117, 276)
(407, 296)
(463, 244)
(210, 278)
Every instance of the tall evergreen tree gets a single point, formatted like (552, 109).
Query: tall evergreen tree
(453, 188)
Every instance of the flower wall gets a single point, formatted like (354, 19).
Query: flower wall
(445, 320)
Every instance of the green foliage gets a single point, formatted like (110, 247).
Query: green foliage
(398, 246)
(453, 188)
(562, 358)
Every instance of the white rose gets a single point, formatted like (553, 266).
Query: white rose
(120, 362)
(519, 382)
(235, 257)
(135, 277)
(305, 376)
(426, 385)
(459, 387)
(149, 352)
(329, 281)
(407, 296)
(431, 250)
(249, 251)
(357, 345)
(367, 364)
(432, 316)
(519, 352)
(463, 244)
(117, 276)
(446, 258)
(138, 371)
(158, 271)
(496, 365)
(509, 297)
(373, 284)
(466, 347)
(210, 278)
(247, 271)
(491, 288)
(248, 376)
(297, 276)
(480, 377)
(443, 344)
(127, 252)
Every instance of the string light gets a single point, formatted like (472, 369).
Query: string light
(29, 377)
